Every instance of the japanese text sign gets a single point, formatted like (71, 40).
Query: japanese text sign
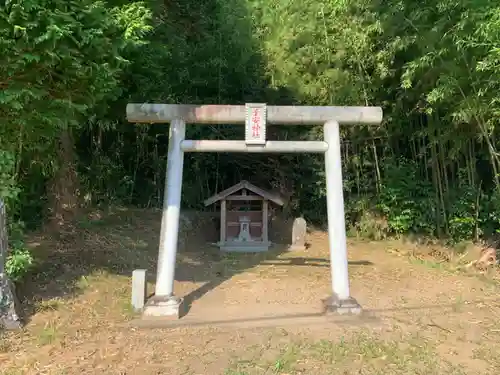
(255, 124)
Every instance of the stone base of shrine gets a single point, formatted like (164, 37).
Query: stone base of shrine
(244, 247)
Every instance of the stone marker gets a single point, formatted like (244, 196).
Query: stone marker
(8, 301)
(299, 231)
(139, 289)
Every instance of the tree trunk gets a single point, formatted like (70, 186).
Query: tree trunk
(63, 189)
(9, 319)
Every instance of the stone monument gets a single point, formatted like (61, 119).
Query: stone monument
(244, 235)
(8, 315)
(299, 231)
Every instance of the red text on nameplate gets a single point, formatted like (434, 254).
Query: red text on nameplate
(255, 124)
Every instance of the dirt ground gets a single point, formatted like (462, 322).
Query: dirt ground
(424, 317)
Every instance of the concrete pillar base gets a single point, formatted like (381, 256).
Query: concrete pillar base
(164, 306)
(335, 305)
(297, 248)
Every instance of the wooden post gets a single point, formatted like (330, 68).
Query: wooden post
(265, 234)
(223, 222)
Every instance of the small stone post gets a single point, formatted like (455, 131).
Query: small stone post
(299, 231)
(139, 289)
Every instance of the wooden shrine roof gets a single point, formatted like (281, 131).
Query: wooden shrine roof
(244, 185)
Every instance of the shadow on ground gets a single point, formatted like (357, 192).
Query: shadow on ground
(215, 276)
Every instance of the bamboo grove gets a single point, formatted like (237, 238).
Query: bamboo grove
(67, 69)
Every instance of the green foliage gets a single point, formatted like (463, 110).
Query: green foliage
(19, 259)
(371, 226)
(60, 61)
(8, 189)
(405, 198)
(62, 58)
(489, 214)
(464, 214)
(18, 264)
(431, 168)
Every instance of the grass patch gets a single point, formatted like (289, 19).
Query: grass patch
(53, 304)
(489, 355)
(434, 264)
(48, 334)
(359, 354)
(5, 344)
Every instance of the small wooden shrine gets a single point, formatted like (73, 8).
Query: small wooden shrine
(244, 217)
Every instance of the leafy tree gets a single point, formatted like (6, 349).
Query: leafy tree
(60, 60)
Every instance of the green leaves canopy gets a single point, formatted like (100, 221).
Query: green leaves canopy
(60, 58)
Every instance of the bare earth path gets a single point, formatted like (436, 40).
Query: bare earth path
(427, 320)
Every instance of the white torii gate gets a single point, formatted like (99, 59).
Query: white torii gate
(255, 116)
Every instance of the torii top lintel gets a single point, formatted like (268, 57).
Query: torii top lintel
(234, 114)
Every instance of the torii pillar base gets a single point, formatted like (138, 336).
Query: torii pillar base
(333, 305)
(168, 307)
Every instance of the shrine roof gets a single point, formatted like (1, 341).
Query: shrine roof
(244, 185)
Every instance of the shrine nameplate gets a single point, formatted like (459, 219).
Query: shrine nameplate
(255, 124)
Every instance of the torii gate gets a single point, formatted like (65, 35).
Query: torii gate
(255, 116)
